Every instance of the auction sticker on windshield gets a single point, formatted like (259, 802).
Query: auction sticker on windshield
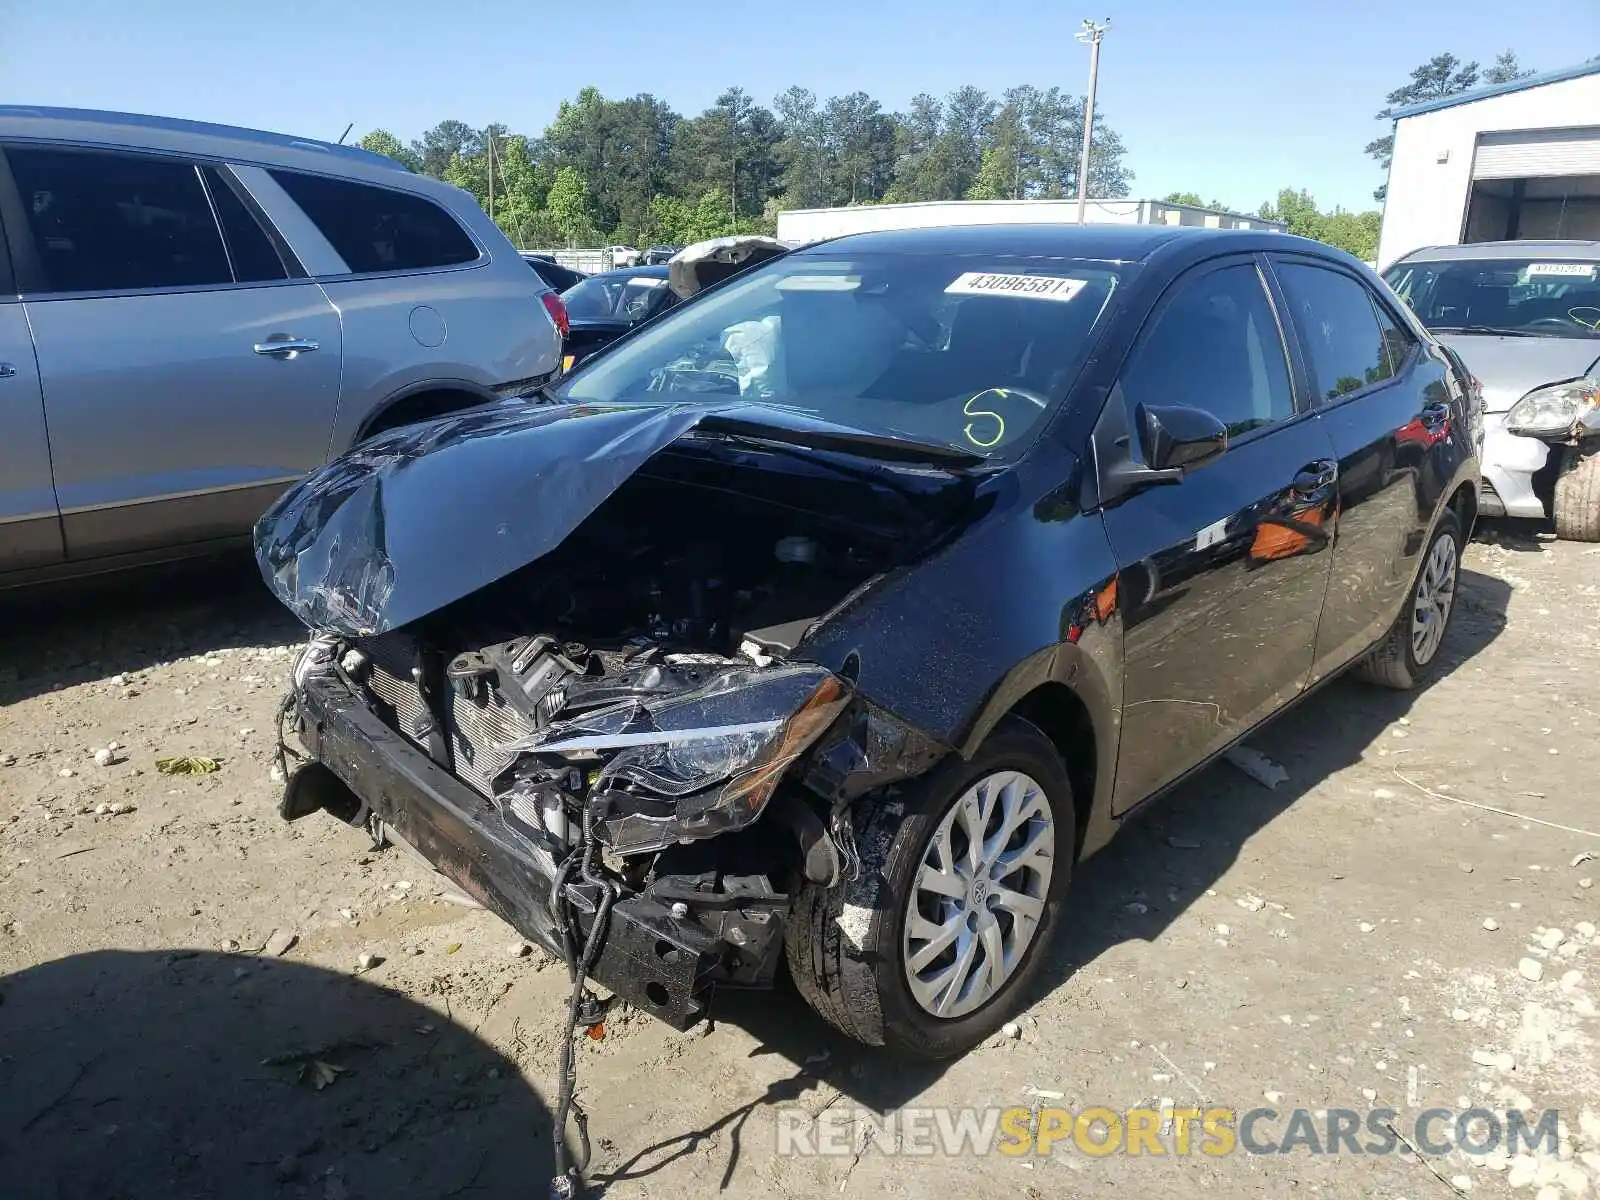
(1580, 270)
(1032, 287)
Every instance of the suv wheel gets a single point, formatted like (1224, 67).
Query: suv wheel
(1405, 657)
(935, 945)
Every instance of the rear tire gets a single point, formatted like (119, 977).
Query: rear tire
(849, 947)
(1577, 501)
(1408, 653)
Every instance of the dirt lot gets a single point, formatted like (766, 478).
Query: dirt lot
(1350, 939)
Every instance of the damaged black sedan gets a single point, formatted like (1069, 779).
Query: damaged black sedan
(838, 613)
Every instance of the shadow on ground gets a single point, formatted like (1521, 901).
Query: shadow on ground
(1210, 817)
(64, 634)
(186, 1074)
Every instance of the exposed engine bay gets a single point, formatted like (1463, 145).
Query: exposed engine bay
(637, 676)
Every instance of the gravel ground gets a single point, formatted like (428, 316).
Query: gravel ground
(199, 1000)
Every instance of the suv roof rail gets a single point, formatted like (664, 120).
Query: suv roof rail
(261, 137)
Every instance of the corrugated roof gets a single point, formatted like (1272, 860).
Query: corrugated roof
(1499, 89)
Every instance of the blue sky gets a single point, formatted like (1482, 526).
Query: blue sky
(1229, 100)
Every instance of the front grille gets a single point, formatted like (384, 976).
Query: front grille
(475, 728)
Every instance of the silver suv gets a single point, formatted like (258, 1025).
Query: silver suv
(193, 316)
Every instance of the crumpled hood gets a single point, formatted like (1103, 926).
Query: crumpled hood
(420, 517)
(1511, 367)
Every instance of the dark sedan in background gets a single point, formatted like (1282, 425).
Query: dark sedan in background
(841, 611)
(605, 306)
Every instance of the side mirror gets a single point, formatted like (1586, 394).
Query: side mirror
(1177, 437)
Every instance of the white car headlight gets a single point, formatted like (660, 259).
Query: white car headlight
(1555, 408)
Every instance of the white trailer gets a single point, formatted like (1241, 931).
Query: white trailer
(801, 226)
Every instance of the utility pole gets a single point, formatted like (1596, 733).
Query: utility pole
(489, 140)
(1090, 32)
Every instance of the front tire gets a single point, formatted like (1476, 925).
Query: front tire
(1577, 500)
(936, 944)
(1408, 654)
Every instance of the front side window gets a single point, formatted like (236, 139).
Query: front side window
(970, 352)
(1215, 346)
(1336, 320)
(104, 221)
(379, 229)
(1512, 297)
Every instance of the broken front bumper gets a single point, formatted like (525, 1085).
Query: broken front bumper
(664, 963)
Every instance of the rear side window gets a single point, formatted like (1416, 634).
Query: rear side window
(1339, 327)
(1215, 346)
(377, 229)
(104, 221)
(1398, 341)
(254, 258)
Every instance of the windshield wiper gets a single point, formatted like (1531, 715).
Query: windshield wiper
(885, 447)
(1483, 330)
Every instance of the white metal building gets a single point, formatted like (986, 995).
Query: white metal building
(1517, 160)
(804, 225)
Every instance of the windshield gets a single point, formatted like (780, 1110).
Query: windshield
(626, 298)
(1531, 297)
(967, 352)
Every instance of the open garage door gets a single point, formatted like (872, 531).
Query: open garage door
(1535, 183)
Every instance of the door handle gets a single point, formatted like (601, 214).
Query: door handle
(7, 370)
(1313, 477)
(285, 347)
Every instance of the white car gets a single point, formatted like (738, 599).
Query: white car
(1525, 318)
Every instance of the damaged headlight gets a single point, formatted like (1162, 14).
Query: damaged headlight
(1553, 409)
(318, 653)
(695, 764)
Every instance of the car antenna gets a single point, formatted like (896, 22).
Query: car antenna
(346, 133)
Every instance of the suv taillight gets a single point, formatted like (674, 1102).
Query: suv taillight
(558, 313)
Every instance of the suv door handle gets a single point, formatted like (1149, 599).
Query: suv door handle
(285, 347)
(1313, 477)
(7, 370)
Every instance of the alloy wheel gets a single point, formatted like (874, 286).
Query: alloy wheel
(979, 894)
(1436, 593)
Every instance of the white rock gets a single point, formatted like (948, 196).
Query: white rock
(113, 746)
(1251, 903)
(1011, 1030)
(1491, 924)
(1570, 981)
(349, 914)
(1460, 1014)
(1524, 1169)
(102, 809)
(1366, 927)
(281, 942)
(1273, 1097)
(66, 772)
(276, 774)
(518, 950)
(1370, 1094)
(1462, 1183)
(1586, 883)
(117, 807)
(1551, 938)
(230, 945)
(1584, 929)
(367, 961)
(8, 760)
(1531, 969)
(1222, 931)
(1574, 1180)
(104, 758)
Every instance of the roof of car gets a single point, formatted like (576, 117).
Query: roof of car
(1583, 251)
(178, 135)
(1115, 243)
